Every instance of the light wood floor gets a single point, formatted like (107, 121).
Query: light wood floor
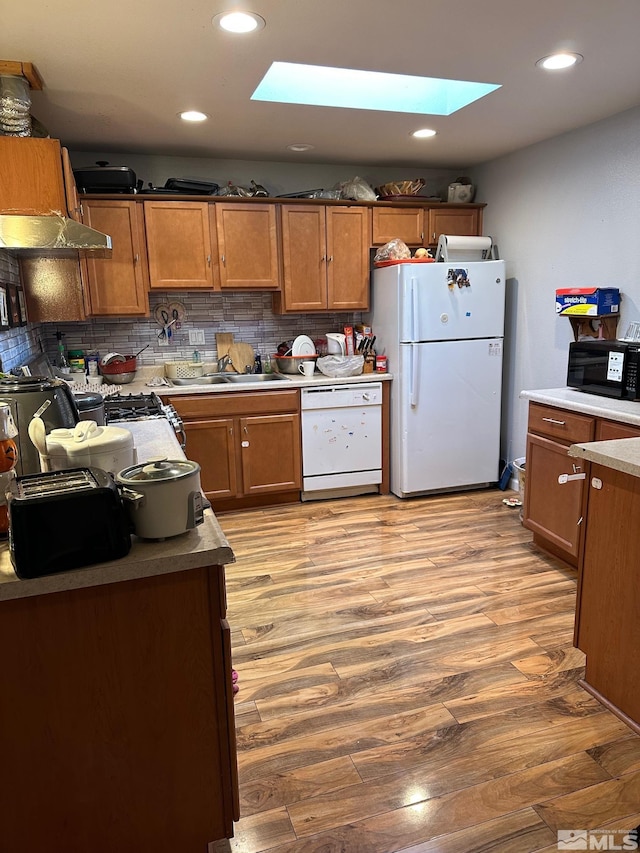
(408, 682)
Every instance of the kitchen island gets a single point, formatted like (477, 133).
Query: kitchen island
(116, 708)
(608, 628)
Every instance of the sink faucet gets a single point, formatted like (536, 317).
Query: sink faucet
(223, 363)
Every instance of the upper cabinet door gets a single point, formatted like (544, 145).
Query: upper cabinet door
(466, 222)
(180, 245)
(304, 259)
(406, 223)
(247, 245)
(348, 242)
(31, 176)
(117, 285)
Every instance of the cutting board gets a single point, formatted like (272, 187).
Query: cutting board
(223, 342)
(242, 355)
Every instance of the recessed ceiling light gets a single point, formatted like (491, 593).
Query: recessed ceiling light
(193, 115)
(300, 146)
(558, 61)
(239, 22)
(425, 133)
(320, 86)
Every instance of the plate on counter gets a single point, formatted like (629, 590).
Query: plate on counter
(303, 345)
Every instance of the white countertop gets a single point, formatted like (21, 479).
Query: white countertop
(145, 374)
(621, 454)
(206, 545)
(625, 411)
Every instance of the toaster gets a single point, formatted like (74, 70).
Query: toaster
(63, 520)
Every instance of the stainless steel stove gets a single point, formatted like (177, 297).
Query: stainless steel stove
(142, 407)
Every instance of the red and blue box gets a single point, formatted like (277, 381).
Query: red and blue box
(588, 301)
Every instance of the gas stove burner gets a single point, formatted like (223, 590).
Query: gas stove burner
(132, 407)
(142, 407)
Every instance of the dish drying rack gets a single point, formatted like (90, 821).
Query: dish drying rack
(632, 335)
(183, 369)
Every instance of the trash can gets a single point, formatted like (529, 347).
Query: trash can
(519, 467)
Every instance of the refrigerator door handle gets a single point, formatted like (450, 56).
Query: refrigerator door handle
(415, 311)
(413, 399)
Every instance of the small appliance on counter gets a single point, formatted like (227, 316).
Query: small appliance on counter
(25, 395)
(44, 510)
(163, 497)
(607, 368)
(88, 445)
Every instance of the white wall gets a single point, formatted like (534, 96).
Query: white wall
(277, 178)
(564, 213)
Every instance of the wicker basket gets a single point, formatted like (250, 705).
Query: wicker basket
(183, 369)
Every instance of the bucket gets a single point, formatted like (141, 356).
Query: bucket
(519, 467)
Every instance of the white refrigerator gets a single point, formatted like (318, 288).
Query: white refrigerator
(441, 326)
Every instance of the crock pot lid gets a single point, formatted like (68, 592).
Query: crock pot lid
(159, 469)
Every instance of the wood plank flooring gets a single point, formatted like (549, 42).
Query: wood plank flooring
(408, 683)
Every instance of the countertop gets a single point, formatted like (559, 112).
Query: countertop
(146, 375)
(206, 545)
(621, 454)
(625, 411)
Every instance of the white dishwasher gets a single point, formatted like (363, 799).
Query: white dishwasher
(341, 440)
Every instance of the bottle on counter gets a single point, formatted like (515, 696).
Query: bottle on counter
(63, 363)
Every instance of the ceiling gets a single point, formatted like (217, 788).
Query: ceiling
(116, 74)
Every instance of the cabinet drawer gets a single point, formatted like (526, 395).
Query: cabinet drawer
(224, 405)
(609, 430)
(565, 426)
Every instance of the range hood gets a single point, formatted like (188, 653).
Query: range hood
(52, 236)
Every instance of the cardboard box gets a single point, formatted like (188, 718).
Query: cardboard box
(588, 301)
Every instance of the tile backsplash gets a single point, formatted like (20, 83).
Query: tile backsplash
(20, 344)
(248, 316)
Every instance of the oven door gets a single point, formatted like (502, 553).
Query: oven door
(599, 367)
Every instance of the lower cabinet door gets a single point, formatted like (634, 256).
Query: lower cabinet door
(551, 509)
(270, 453)
(211, 443)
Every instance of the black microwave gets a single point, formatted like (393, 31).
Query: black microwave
(608, 368)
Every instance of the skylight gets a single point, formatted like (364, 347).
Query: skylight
(317, 85)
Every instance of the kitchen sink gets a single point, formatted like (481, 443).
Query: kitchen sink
(199, 380)
(253, 377)
(229, 378)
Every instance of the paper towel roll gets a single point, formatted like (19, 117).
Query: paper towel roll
(453, 247)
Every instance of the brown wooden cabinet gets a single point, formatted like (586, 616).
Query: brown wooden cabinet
(555, 511)
(248, 445)
(422, 226)
(31, 176)
(466, 222)
(325, 258)
(117, 286)
(181, 245)
(248, 246)
(118, 730)
(608, 630)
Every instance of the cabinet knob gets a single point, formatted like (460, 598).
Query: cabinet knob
(223, 259)
(208, 260)
(323, 258)
(136, 258)
(330, 258)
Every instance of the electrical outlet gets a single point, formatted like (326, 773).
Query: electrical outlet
(196, 336)
(163, 341)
